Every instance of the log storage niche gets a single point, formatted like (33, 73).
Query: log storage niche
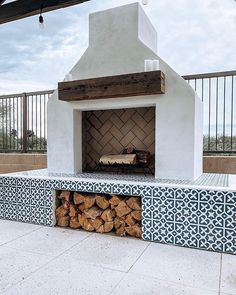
(101, 213)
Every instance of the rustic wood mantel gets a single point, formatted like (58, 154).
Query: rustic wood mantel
(136, 84)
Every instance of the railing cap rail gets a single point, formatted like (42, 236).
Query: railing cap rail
(43, 92)
(210, 75)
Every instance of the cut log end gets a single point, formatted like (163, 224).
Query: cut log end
(122, 209)
(134, 203)
(102, 202)
(74, 223)
(63, 221)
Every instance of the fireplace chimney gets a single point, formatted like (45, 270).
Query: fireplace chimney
(120, 40)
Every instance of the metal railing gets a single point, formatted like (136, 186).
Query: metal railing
(23, 117)
(218, 92)
(23, 122)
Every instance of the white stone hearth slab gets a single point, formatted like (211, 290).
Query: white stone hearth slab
(10, 231)
(228, 274)
(63, 277)
(207, 180)
(134, 284)
(196, 268)
(108, 251)
(49, 241)
(16, 265)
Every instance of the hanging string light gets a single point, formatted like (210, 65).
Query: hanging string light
(41, 20)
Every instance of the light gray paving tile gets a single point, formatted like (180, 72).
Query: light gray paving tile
(49, 240)
(10, 230)
(228, 274)
(108, 251)
(69, 278)
(191, 267)
(16, 265)
(134, 284)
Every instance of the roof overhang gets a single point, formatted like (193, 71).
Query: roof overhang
(24, 8)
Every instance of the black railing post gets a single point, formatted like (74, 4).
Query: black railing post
(25, 122)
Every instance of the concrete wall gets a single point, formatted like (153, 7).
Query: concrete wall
(220, 164)
(22, 162)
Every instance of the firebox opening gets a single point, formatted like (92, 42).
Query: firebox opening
(112, 132)
(101, 213)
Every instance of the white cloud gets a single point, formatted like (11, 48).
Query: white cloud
(194, 36)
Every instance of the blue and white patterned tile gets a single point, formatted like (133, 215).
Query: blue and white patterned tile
(2, 194)
(37, 183)
(23, 183)
(138, 190)
(38, 201)
(10, 194)
(11, 211)
(147, 191)
(24, 213)
(230, 241)
(122, 189)
(38, 215)
(230, 198)
(9, 181)
(104, 188)
(84, 186)
(48, 199)
(23, 195)
(48, 184)
(68, 185)
(2, 210)
(49, 217)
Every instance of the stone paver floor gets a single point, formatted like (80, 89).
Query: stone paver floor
(42, 260)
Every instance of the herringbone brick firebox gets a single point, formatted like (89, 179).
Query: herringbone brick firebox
(111, 131)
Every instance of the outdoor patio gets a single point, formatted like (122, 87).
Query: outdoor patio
(42, 260)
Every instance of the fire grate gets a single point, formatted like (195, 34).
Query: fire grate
(123, 168)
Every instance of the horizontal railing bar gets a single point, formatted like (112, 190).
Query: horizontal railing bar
(23, 152)
(218, 152)
(209, 75)
(44, 92)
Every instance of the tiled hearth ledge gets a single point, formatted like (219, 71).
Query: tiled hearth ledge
(197, 214)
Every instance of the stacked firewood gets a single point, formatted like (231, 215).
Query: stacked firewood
(100, 213)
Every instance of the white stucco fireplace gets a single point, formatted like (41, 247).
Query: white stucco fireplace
(174, 207)
(117, 46)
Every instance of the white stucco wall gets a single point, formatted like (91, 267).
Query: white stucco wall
(120, 40)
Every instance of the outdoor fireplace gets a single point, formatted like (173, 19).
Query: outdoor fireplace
(111, 76)
(113, 104)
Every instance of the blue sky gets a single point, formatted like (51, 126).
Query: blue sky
(193, 37)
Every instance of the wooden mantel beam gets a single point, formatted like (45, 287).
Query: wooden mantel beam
(135, 84)
(24, 8)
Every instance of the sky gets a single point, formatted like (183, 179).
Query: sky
(194, 36)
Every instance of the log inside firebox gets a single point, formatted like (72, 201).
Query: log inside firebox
(101, 213)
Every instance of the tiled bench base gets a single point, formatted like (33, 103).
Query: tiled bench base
(179, 215)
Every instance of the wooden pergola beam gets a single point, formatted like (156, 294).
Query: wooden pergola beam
(24, 8)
